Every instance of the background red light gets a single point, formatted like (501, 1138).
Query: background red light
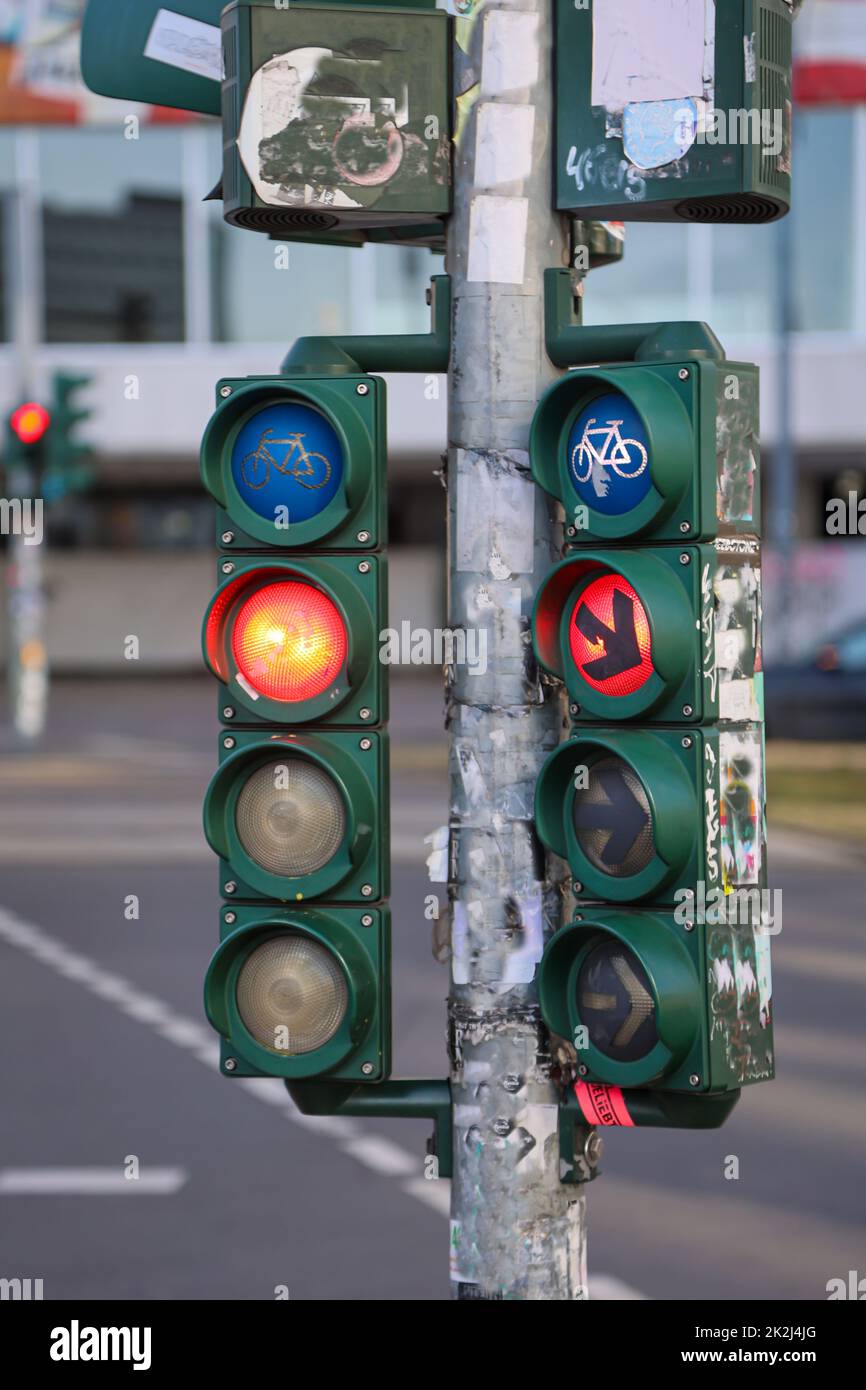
(29, 422)
(629, 647)
(289, 641)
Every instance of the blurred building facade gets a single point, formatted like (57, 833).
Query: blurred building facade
(145, 288)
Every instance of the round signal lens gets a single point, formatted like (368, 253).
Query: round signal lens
(290, 818)
(292, 994)
(615, 1002)
(287, 462)
(29, 422)
(613, 820)
(609, 636)
(289, 641)
(609, 455)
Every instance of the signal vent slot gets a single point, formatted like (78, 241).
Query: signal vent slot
(742, 207)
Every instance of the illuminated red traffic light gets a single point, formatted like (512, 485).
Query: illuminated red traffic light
(30, 422)
(289, 641)
(609, 636)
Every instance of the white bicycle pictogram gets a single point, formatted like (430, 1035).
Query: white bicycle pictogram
(589, 460)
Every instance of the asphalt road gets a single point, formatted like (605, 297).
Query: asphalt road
(109, 1061)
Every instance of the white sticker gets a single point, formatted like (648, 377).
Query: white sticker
(503, 144)
(497, 240)
(437, 859)
(186, 43)
(510, 54)
(656, 51)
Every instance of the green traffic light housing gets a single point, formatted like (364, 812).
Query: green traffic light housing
(302, 816)
(659, 121)
(296, 640)
(298, 462)
(656, 451)
(624, 809)
(303, 994)
(625, 989)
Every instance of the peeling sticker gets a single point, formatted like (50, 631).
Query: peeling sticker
(751, 67)
(495, 507)
(497, 240)
(503, 144)
(660, 50)
(189, 44)
(437, 860)
(655, 133)
(510, 59)
(520, 964)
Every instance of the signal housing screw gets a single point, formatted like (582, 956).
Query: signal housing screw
(228, 712)
(364, 567)
(687, 742)
(688, 711)
(225, 391)
(685, 558)
(683, 373)
(366, 920)
(366, 744)
(363, 537)
(367, 890)
(685, 527)
(228, 566)
(227, 537)
(230, 918)
(231, 887)
(694, 1079)
(368, 1069)
(230, 1064)
(363, 389)
(364, 713)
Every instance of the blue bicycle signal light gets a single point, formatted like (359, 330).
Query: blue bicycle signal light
(287, 462)
(609, 459)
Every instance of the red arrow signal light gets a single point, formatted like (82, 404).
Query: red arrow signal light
(30, 422)
(609, 636)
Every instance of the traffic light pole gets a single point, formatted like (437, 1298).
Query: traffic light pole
(517, 1231)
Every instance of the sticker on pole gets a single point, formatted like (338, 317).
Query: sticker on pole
(608, 455)
(609, 637)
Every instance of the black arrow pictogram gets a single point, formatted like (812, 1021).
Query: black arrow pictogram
(621, 649)
(622, 814)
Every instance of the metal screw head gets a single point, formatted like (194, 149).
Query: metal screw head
(228, 742)
(228, 712)
(570, 531)
(367, 890)
(225, 391)
(230, 1064)
(683, 373)
(364, 567)
(574, 709)
(365, 713)
(687, 741)
(688, 711)
(685, 527)
(689, 926)
(366, 744)
(228, 566)
(583, 1069)
(231, 887)
(593, 1148)
(230, 918)
(694, 1079)
(227, 537)
(578, 887)
(362, 388)
(367, 920)
(685, 558)
(368, 1069)
(363, 537)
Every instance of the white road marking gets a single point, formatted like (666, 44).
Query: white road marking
(89, 1182)
(379, 1155)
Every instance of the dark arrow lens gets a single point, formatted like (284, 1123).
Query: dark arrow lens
(615, 1003)
(613, 821)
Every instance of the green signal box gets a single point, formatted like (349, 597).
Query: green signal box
(662, 816)
(663, 634)
(336, 119)
(656, 451)
(295, 640)
(298, 462)
(674, 110)
(301, 816)
(303, 994)
(649, 999)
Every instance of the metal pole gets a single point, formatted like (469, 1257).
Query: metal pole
(26, 655)
(517, 1233)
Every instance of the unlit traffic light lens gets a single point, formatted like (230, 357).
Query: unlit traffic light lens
(290, 818)
(609, 636)
(292, 994)
(289, 641)
(615, 1003)
(613, 820)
